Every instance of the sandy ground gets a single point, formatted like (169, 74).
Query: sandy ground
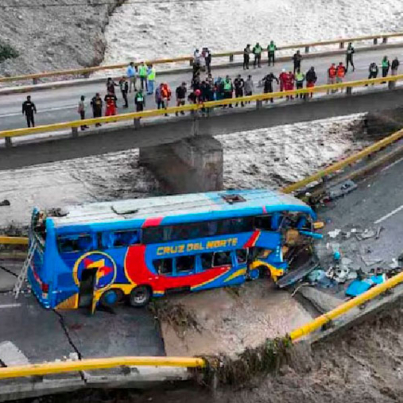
(175, 28)
(225, 318)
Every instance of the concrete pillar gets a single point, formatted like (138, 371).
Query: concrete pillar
(231, 58)
(307, 49)
(8, 142)
(74, 132)
(341, 45)
(375, 41)
(187, 166)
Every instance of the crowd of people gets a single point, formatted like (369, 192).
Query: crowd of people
(140, 80)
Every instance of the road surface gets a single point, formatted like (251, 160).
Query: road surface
(60, 105)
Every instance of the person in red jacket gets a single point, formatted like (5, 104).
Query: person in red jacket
(340, 74)
(289, 83)
(331, 75)
(165, 95)
(283, 78)
(110, 100)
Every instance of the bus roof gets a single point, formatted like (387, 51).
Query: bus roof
(180, 208)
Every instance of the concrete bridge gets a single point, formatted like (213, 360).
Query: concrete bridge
(184, 152)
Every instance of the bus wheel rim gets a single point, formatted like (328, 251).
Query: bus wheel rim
(140, 297)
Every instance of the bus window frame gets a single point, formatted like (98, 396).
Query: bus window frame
(188, 273)
(102, 246)
(94, 247)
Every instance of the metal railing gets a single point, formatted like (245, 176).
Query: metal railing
(306, 46)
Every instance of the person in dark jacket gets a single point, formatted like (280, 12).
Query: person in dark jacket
(246, 57)
(350, 56)
(239, 84)
(373, 71)
(268, 84)
(110, 86)
(124, 89)
(395, 66)
(28, 109)
(97, 104)
(181, 96)
(311, 79)
(297, 58)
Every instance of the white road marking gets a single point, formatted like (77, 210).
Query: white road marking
(389, 215)
(392, 165)
(6, 306)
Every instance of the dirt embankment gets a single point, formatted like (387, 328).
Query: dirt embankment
(64, 34)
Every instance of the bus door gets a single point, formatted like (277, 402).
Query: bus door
(74, 250)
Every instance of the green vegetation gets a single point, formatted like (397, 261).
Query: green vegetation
(7, 52)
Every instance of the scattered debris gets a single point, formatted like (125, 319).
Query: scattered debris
(358, 287)
(334, 234)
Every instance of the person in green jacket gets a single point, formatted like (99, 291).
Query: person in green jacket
(140, 100)
(257, 51)
(271, 53)
(143, 73)
(385, 66)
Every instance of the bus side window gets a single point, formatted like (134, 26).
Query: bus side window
(119, 239)
(164, 266)
(75, 243)
(264, 223)
(206, 260)
(222, 259)
(242, 255)
(185, 264)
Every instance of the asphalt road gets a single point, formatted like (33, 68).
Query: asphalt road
(60, 105)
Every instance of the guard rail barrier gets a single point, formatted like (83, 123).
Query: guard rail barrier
(306, 46)
(8, 240)
(136, 116)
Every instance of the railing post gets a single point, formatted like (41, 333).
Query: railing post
(74, 132)
(385, 40)
(391, 85)
(86, 75)
(231, 58)
(259, 104)
(341, 45)
(9, 144)
(35, 81)
(136, 123)
(375, 41)
(191, 62)
(306, 49)
(349, 91)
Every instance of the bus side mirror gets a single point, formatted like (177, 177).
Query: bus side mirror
(319, 225)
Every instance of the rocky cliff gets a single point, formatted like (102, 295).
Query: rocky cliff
(53, 34)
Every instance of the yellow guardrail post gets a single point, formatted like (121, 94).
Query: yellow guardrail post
(347, 306)
(97, 364)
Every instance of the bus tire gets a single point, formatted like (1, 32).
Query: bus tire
(140, 296)
(111, 298)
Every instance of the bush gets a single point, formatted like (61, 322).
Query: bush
(7, 52)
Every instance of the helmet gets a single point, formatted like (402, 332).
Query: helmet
(197, 93)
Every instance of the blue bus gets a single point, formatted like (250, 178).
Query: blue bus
(135, 250)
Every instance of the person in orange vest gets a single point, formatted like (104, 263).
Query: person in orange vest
(340, 74)
(165, 95)
(331, 75)
(110, 100)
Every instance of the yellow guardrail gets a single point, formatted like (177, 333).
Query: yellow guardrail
(89, 70)
(99, 363)
(344, 308)
(344, 163)
(195, 107)
(9, 240)
(184, 362)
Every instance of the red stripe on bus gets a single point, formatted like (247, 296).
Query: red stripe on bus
(152, 222)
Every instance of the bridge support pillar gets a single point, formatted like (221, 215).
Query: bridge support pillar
(190, 165)
(375, 41)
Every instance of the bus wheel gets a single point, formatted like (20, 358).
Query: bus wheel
(111, 298)
(140, 296)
